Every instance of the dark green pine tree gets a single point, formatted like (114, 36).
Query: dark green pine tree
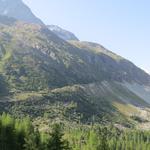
(56, 141)
(33, 142)
(7, 134)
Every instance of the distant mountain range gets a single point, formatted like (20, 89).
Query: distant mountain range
(41, 65)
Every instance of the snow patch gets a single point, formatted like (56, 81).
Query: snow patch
(55, 28)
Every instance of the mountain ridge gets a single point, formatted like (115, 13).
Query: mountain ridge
(63, 34)
(17, 9)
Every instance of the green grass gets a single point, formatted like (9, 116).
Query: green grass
(126, 109)
(96, 48)
(26, 96)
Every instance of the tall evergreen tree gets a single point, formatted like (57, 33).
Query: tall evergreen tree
(56, 142)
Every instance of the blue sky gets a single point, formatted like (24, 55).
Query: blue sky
(122, 26)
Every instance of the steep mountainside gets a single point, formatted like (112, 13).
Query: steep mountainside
(63, 34)
(38, 68)
(18, 10)
(28, 48)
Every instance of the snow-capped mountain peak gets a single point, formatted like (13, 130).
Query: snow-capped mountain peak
(62, 33)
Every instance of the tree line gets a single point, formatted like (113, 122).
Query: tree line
(16, 134)
(108, 138)
(20, 134)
